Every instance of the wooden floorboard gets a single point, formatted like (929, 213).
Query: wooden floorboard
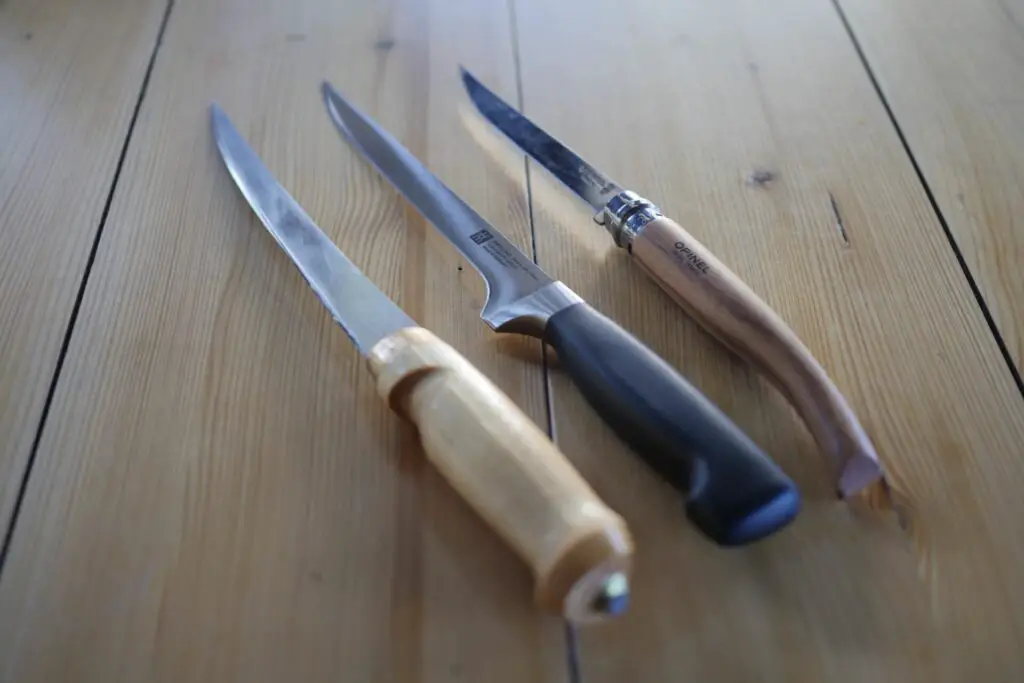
(70, 75)
(219, 493)
(951, 74)
(753, 124)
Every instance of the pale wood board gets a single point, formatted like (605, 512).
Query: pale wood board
(70, 73)
(953, 74)
(682, 102)
(219, 493)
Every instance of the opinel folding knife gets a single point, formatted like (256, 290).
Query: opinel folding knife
(705, 288)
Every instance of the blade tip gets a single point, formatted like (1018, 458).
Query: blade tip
(216, 113)
(219, 121)
(339, 110)
(331, 97)
(326, 89)
(468, 79)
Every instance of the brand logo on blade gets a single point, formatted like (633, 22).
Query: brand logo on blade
(481, 236)
(691, 259)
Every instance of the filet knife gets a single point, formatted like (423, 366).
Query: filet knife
(703, 287)
(734, 493)
(506, 468)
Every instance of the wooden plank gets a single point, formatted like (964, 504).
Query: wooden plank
(220, 494)
(70, 73)
(951, 72)
(683, 102)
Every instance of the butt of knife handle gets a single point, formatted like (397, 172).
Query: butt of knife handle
(739, 518)
(734, 492)
(510, 473)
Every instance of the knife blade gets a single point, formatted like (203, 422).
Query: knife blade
(734, 493)
(705, 288)
(580, 551)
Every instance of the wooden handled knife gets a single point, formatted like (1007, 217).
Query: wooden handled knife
(734, 493)
(705, 288)
(579, 550)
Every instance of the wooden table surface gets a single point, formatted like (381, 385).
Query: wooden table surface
(199, 483)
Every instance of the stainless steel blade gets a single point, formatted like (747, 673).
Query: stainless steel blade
(365, 313)
(586, 181)
(520, 296)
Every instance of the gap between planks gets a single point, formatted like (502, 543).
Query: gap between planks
(80, 295)
(572, 648)
(572, 653)
(953, 244)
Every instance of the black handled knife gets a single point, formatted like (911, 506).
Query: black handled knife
(734, 493)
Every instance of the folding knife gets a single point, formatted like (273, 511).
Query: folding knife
(705, 288)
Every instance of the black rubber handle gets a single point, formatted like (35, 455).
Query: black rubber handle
(734, 493)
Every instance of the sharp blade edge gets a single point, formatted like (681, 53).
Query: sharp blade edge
(586, 181)
(365, 313)
(510, 275)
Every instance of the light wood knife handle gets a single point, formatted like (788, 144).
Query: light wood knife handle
(508, 470)
(725, 306)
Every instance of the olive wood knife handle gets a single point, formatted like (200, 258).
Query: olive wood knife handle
(508, 470)
(726, 307)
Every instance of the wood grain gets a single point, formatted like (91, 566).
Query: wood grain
(748, 122)
(70, 73)
(220, 494)
(951, 72)
(508, 470)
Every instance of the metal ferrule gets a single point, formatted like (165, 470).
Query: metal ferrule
(625, 215)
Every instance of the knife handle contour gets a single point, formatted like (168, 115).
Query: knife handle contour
(508, 470)
(734, 493)
(727, 308)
